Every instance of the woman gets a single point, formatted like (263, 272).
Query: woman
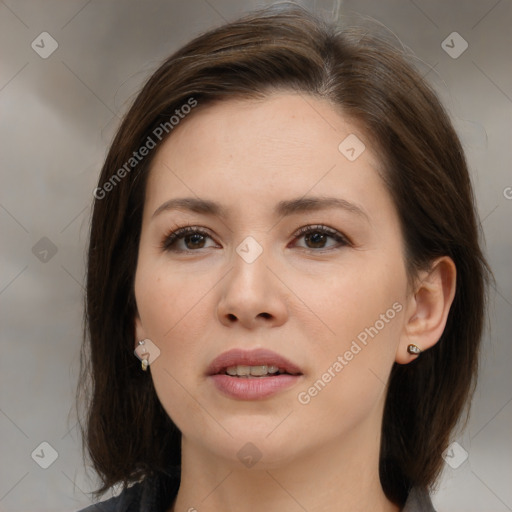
(285, 289)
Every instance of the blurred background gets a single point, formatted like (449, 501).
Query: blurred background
(69, 70)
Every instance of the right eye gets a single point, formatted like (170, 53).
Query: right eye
(192, 237)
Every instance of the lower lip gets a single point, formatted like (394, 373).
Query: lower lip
(253, 389)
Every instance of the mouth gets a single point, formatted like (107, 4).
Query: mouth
(252, 375)
(254, 364)
(255, 372)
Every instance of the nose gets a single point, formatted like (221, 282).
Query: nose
(252, 295)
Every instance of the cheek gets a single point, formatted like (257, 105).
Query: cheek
(347, 299)
(169, 305)
(352, 367)
(362, 311)
(172, 308)
(168, 297)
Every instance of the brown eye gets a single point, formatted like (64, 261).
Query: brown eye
(191, 238)
(196, 241)
(316, 237)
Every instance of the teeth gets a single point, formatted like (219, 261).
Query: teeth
(256, 371)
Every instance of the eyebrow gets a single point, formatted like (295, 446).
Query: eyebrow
(282, 209)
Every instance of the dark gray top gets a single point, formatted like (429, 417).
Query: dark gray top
(156, 495)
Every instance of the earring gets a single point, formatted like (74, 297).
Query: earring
(145, 361)
(413, 349)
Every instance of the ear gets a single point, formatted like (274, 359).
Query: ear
(139, 330)
(427, 308)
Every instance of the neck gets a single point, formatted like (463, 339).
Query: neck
(340, 476)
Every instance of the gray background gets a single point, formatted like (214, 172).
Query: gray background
(58, 116)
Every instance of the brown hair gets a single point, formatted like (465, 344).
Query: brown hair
(127, 433)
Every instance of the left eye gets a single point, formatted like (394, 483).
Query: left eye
(318, 235)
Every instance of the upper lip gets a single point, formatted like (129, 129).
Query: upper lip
(257, 357)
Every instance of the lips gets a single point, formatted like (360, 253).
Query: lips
(258, 357)
(249, 387)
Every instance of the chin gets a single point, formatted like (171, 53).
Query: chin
(257, 444)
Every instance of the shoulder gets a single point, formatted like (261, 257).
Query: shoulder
(128, 501)
(151, 495)
(418, 500)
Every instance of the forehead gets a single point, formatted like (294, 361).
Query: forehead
(283, 143)
(282, 123)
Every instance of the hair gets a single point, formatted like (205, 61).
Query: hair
(127, 433)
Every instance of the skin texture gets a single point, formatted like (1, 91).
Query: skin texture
(302, 299)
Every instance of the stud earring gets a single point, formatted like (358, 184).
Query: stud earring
(144, 361)
(414, 350)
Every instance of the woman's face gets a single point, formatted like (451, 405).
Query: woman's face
(331, 301)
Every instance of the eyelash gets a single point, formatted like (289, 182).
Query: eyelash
(182, 232)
